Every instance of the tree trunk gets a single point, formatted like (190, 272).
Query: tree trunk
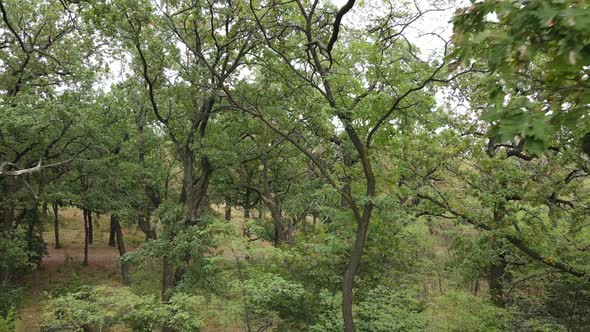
(290, 230)
(55, 207)
(353, 265)
(86, 237)
(227, 212)
(121, 247)
(144, 224)
(279, 231)
(7, 213)
(498, 276)
(90, 228)
(112, 233)
(496, 282)
(194, 198)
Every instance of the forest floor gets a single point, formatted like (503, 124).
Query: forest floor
(61, 270)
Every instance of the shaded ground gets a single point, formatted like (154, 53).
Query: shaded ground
(62, 269)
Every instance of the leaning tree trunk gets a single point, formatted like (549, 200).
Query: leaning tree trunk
(55, 207)
(121, 247)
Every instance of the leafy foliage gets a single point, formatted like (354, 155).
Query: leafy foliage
(103, 307)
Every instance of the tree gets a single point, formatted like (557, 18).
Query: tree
(538, 56)
(44, 80)
(362, 108)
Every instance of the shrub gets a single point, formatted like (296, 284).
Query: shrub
(103, 307)
(460, 311)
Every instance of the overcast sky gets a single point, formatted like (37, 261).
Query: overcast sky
(435, 21)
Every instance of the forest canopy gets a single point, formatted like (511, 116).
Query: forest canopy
(296, 165)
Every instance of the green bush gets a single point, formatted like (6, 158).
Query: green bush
(460, 311)
(382, 310)
(104, 307)
(272, 298)
(8, 321)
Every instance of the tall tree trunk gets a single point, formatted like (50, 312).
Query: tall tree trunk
(353, 265)
(55, 207)
(194, 198)
(363, 220)
(121, 247)
(144, 218)
(90, 228)
(227, 215)
(86, 237)
(112, 234)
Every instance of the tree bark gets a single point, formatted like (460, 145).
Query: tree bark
(90, 228)
(353, 265)
(276, 215)
(227, 212)
(86, 237)
(112, 234)
(498, 277)
(290, 231)
(122, 250)
(497, 274)
(55, 207)
(144, 224)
